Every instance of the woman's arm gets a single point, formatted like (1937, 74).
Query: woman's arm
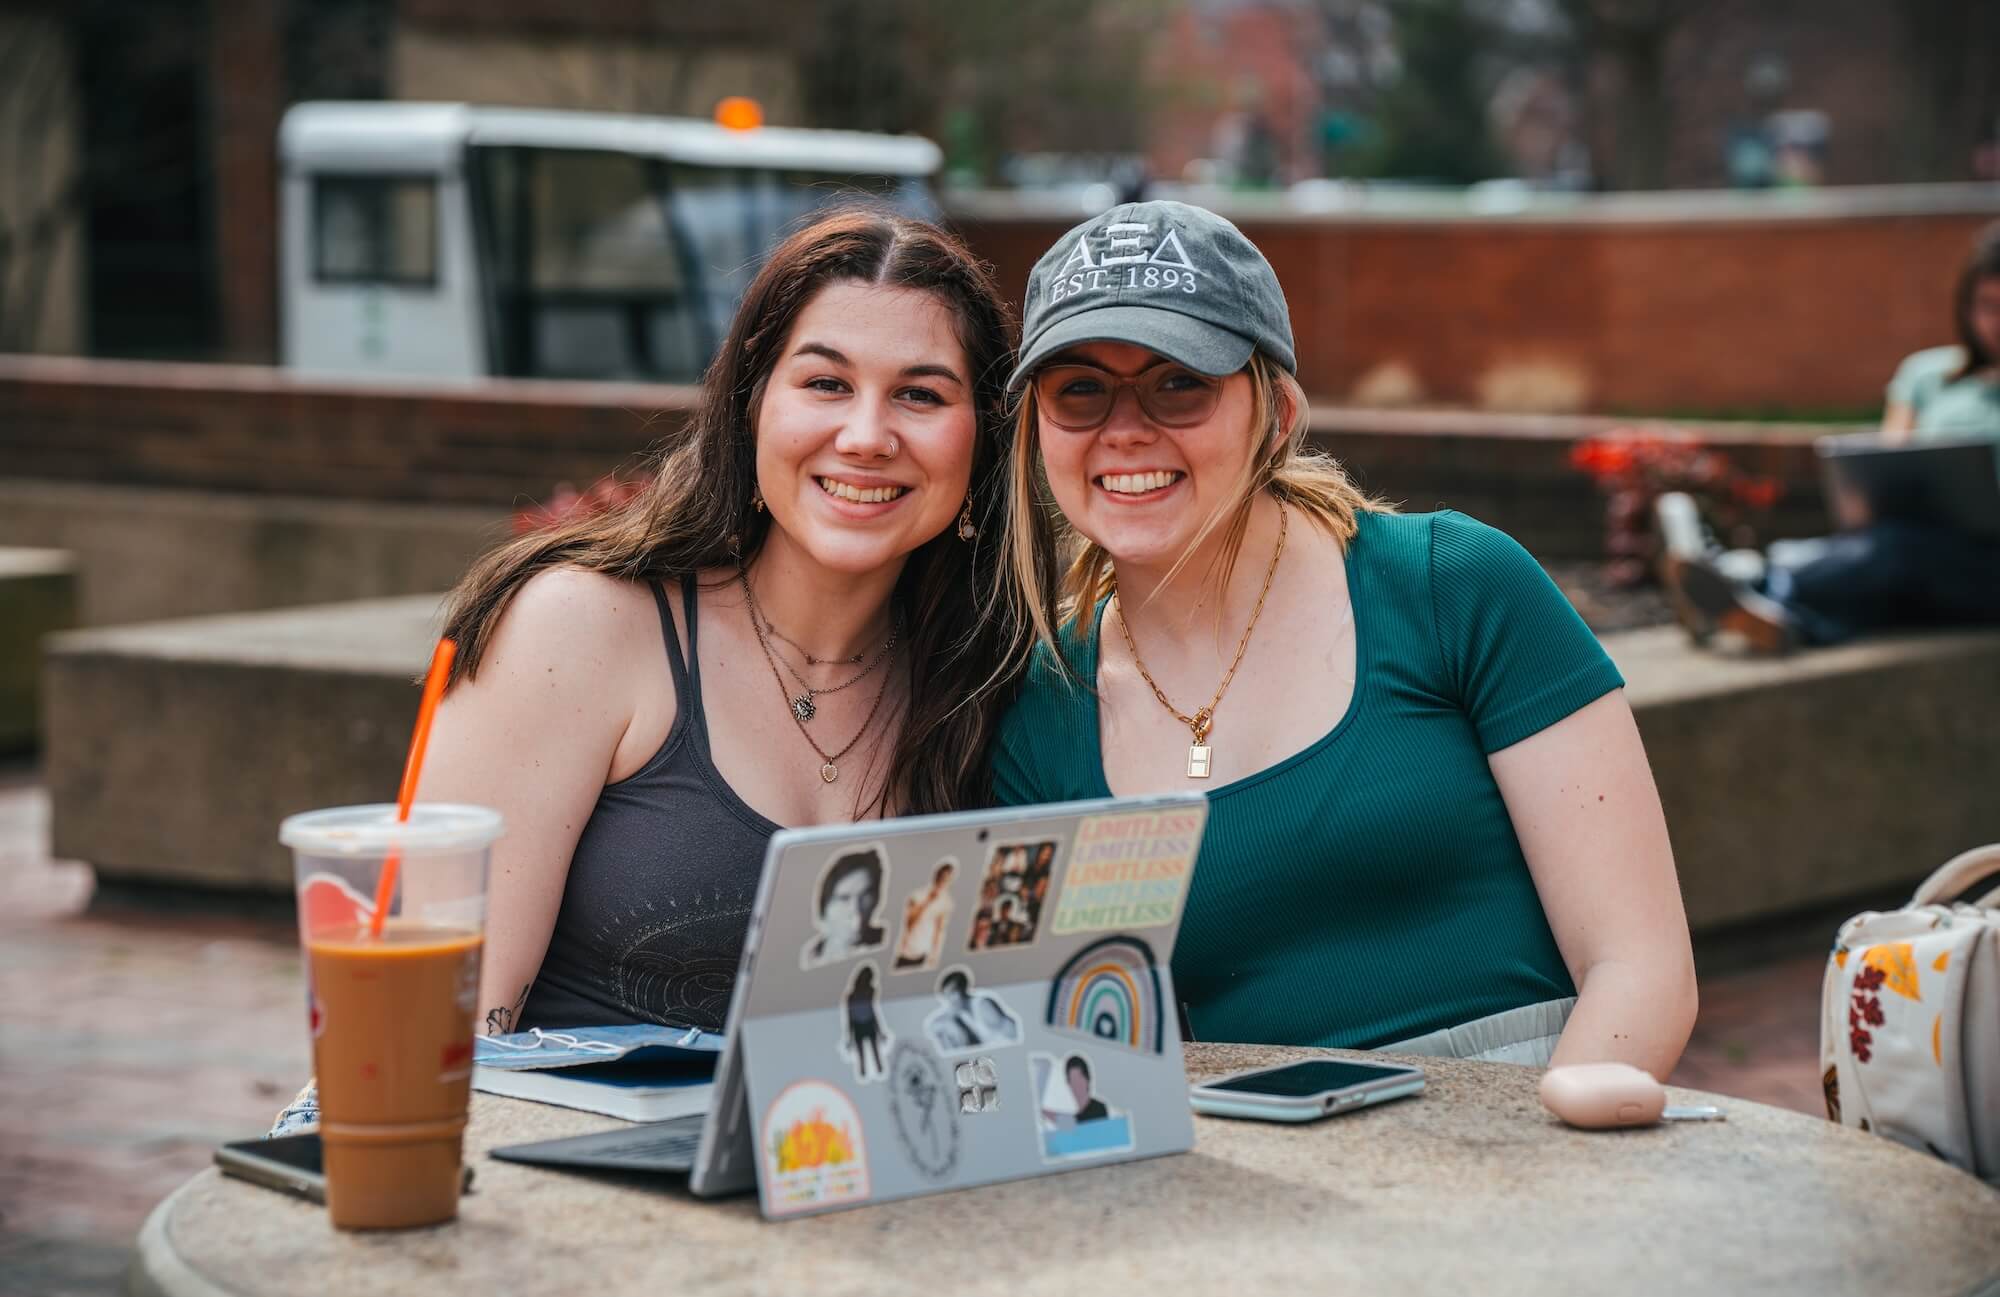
(1588, 816)
(1899, 420)
(534, 736)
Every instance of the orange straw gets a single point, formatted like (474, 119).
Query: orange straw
(385, 887)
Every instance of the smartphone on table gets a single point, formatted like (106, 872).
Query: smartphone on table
(289, 1163)
(1305, 1091)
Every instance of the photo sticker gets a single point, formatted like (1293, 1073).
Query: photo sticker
(1110, 990)
(864, 1036)
(812, 1149)
(1074, 1122)
(1127, 871)
(1011, 895)
(926, 915)
(847, 907)
(967, 1020)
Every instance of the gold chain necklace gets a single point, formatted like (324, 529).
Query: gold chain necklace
(1199, 724)
(829, 769)
(805, 706)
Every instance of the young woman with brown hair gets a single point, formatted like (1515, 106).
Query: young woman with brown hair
(1874, 574)
(790, 625)
(1432, 827)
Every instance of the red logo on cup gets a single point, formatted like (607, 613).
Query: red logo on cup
(455, 1055)
(327, 901)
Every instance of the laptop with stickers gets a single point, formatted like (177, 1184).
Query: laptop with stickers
(940, 1002)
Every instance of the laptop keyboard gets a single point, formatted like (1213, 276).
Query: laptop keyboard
(677, 1145)
(654, 1146)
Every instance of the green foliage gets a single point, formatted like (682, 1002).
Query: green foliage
(1431, 123)
(978, 76)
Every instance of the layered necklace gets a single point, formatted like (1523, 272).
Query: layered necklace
(803, 706)
(1199, 724)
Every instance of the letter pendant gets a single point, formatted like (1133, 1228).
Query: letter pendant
(1197, 760)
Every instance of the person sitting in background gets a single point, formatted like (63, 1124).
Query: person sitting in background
(1874, 574)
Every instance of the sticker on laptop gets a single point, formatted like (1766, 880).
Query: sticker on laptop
(1011, 894)
(865, 1037)
(1126, 871)
(978, 1081)
(1110, 990)
(926, 915)
(968, 1020)
(1074, 1121)
(924, 1106)
(847, 907)
(812, 1148)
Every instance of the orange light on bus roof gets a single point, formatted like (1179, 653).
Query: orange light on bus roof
(739, 113)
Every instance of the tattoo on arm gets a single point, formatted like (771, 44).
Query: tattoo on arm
(500, 1020)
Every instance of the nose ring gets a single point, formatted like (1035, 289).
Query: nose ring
(894, 446)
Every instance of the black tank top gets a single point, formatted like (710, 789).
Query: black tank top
(660, 888)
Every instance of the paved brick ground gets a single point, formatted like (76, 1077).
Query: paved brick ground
(133, 1039)
(137, 1033)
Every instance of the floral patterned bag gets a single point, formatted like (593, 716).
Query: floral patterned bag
(1910, 1019)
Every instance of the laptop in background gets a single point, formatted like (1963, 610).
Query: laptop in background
(1952, 483)
(940, 1002)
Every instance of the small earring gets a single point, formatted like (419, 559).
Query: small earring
(756, 499)
(966, 531)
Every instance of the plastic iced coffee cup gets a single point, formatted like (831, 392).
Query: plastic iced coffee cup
(392, 1015)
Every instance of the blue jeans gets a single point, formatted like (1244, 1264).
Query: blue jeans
(1884, 576)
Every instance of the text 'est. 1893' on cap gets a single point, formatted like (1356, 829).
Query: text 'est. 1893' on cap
(1177, 280)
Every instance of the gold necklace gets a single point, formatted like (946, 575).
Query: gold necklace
(829, 769)
(806, 705)
(1199, 724)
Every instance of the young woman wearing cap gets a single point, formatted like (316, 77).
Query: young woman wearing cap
(1432, 825)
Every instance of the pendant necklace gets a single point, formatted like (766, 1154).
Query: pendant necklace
(829, 767)
(1199, 724)
(805, 705)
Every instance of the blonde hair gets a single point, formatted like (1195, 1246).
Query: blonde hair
(1039, 538)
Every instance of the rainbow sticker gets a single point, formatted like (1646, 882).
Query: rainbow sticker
(1111, 991)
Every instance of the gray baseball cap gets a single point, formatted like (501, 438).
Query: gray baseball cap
(1174, 279)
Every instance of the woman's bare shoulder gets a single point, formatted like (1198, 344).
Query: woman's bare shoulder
(568, 621)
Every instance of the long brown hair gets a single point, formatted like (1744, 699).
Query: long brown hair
(695, 513)
(1039, 537)
(1982, 263)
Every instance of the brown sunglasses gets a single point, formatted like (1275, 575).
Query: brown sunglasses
(1080, 398)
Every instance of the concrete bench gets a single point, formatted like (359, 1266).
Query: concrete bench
(38, 596)
(150, 553)
(175, 749)
(1833, 773)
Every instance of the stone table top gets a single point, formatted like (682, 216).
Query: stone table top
(1471, 1187)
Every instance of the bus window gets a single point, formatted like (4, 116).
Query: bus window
(585, 279)
(375, 230)
(608, 265)
(732, 218)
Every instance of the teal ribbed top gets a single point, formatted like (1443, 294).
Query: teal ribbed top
(1369, 888)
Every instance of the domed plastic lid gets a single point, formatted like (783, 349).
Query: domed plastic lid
(372, 830)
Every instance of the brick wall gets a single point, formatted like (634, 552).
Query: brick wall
(1798, 316)
(501, 444)
(245, 428)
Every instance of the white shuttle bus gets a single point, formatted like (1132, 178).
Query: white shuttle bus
(454, 241)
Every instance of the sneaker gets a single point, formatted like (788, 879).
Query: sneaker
(1706, 602)
(1682, 534)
